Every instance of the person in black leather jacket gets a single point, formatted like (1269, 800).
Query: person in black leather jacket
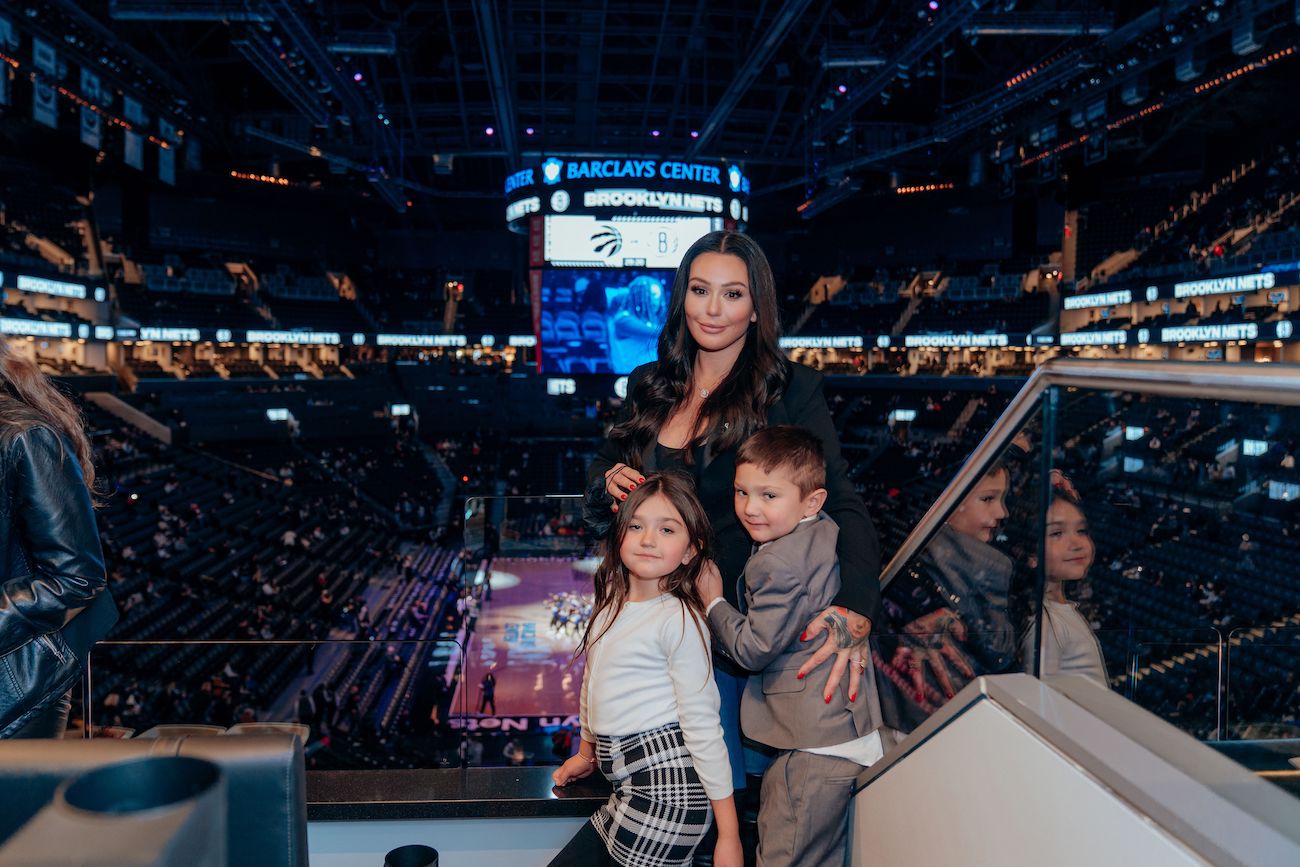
(54, 601)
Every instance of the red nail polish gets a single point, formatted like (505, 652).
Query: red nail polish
(828, 699)
(803, 636)
(622, 496)
(799, 676)
(853, 697)
(642, 479)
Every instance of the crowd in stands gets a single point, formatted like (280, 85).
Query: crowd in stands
(1258, 202)
(1020, 314)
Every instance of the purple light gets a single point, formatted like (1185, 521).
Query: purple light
(934, 5)
(490, 131)
(843, 88)
(655, 133)
(695, 133)
(356, 76)
(529, 130)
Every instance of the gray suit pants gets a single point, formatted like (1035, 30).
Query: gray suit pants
(803, 811)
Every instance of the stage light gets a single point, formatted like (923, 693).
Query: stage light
(356, 76)
(489, 131)
(529, 130)
(695, 133)
(843, 88)
(934, 5)
(654, 133)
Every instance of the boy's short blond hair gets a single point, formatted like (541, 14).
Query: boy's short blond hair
(796, 450)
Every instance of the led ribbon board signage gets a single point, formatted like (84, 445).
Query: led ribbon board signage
(1184, 290)
(608, 188)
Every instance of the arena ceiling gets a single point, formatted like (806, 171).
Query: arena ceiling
(442, 97)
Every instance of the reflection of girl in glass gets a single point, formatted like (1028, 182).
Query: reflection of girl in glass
(1068, 643)
(637, 318)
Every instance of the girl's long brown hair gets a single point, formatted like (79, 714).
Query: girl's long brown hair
(738, 406)
(28, 399)
(612, 581)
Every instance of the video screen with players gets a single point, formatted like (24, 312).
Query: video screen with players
(601, 320)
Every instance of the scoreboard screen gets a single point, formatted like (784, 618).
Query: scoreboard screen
(573, 241)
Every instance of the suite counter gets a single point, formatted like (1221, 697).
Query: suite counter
(476, 817)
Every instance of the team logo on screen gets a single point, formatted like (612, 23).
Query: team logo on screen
(607, 241)
(733, 178)
(551, 170)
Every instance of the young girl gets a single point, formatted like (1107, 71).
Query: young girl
(1068, 643)
(649, 708)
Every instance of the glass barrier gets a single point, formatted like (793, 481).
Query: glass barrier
(362, 705)
(1263, 700)
(961, 606)
(1145, 536)
(1134, 524)
(521, 526)
(1189, 529)
(1175, 674)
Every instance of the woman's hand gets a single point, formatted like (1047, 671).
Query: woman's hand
(928, 642)
(621, 480)
(728, 852)
(574, 768)
(845, 630)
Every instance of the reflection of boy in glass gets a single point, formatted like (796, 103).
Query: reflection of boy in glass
(953, 603)
(636, 317)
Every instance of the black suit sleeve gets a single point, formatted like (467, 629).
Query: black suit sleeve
(56, 520)
(596, 502)
(858, 548)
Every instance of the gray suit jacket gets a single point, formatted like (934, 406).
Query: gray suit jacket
(787, 582)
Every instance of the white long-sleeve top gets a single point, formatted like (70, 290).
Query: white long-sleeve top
(650, 669)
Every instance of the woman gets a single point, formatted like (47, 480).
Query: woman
(719, 377)
(54, 603)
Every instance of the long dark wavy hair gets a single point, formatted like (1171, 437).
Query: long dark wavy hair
(28, 399)
(739, 404)
(613, 584)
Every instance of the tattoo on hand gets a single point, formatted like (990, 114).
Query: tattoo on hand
(839, 629)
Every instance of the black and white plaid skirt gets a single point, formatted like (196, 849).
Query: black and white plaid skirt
(659, 812)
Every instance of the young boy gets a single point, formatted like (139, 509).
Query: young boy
(793, 574)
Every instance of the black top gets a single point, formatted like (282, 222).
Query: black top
(804, 404)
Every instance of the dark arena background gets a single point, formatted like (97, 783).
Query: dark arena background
(347, 293)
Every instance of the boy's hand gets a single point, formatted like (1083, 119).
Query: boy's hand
(710, 582)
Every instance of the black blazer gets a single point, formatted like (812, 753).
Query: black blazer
(804, 404)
